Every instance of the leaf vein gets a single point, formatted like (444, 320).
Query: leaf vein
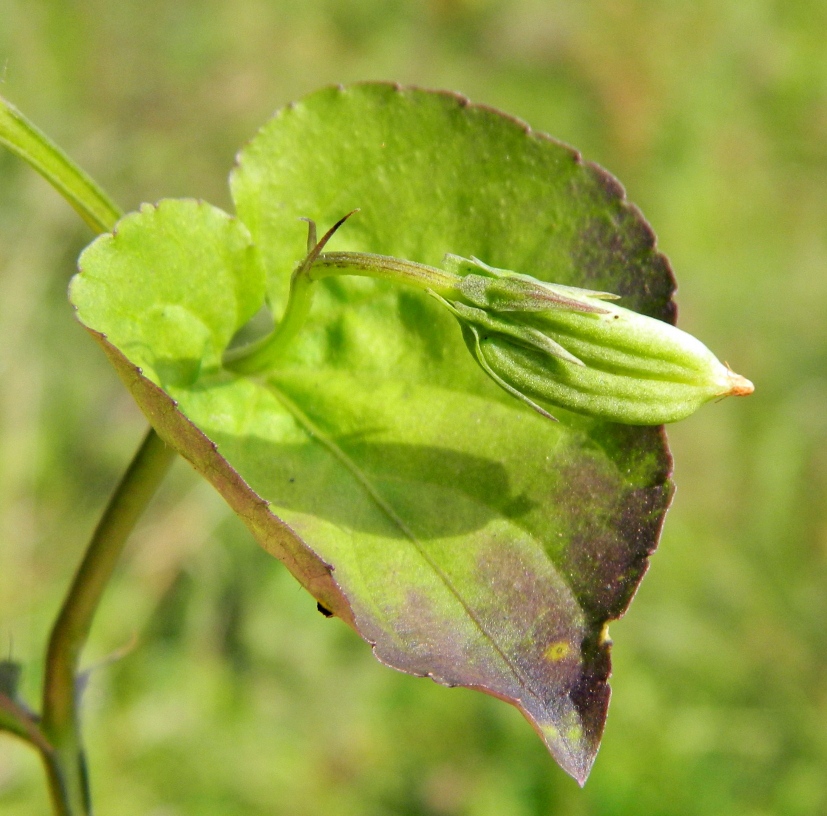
(319, 436)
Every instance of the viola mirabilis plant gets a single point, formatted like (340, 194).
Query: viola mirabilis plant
(441, 513)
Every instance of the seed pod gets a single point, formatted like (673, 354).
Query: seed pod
(571, 348)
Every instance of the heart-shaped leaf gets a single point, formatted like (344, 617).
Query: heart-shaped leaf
(463, 536)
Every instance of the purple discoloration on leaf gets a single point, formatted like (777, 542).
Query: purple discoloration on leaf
(616, 248)
(610, 536)
(524, 646)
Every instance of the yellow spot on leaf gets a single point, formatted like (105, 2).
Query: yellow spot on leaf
(558, 650)
(550, 732)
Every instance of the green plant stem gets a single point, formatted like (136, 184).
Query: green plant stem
(22, 137)
(18, 721)
(265, 354)
(21, 723)
(57, 736)
(386, 267)
(60, 695)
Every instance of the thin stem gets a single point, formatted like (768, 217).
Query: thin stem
(60, 703)
(18, 721)
(386, 267)
(31, 144)
(56, 784)
(57, 736)
(266, 353)
(263, 354)
(21, 723)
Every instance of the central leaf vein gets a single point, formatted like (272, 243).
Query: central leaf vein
(316, 434)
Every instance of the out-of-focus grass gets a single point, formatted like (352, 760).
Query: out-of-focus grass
(238, 697)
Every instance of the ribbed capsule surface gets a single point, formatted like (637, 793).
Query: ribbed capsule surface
(574, 349)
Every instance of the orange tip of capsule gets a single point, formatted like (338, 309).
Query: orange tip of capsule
(738, 386)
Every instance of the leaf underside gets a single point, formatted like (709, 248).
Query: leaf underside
(462, 535)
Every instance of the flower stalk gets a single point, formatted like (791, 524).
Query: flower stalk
(266, 353)
(545, 344)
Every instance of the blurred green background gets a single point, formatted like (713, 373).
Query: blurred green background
(238, 697)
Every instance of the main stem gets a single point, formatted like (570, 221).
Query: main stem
(57, 736)
(60, 721)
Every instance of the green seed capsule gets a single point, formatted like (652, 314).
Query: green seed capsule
(571, 348)
(541, 341)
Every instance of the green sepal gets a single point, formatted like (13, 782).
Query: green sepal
(505, 291)
(494, 324)
(471, 336)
